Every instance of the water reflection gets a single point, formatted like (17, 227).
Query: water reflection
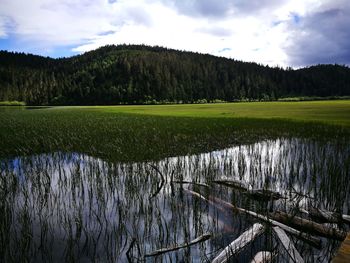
(72, 207)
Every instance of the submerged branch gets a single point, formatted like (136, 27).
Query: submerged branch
(232, 183)
(331, 217)
(314, 241)
(260, 194)
(188, 182)
(199, 239)
(309, 226)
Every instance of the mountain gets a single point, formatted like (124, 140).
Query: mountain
(141, 74)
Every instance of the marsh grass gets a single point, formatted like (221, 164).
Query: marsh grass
(70, 206)
(134, 137)
(77, 183)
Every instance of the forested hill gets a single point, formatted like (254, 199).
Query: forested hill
(141, 74)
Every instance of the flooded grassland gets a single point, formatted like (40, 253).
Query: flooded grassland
(74, 207)
(80, 187)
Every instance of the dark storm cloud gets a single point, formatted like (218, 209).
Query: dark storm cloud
(322, 36)
(222, 8)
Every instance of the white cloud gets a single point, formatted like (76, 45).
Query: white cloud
(245, 38)
(56, 22)
(253, 31)
(3, 28)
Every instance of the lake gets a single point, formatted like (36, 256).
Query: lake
(73, 207)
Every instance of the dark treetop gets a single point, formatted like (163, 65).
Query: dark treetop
(141, 74)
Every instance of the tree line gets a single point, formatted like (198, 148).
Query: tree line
(139, 74)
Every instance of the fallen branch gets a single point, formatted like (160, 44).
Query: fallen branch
(239, 243)
(199, 239)
(331, 217)
(232, 183)
(308, 225)
(188, 182)
(314, 241)
(264, 194)
(288, 245)
(198, 195)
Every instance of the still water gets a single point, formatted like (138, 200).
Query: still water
(72, 207)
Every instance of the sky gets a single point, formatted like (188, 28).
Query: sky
(282, 33)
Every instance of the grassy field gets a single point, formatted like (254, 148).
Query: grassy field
(12, 103)
(331, 112)
(129, 133)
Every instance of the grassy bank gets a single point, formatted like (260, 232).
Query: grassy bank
(12, 103)
(116, 134)
(330, 112)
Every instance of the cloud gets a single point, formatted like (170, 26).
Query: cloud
(205, 26)
(321, 36)
(56, 22)
(2, 30)
(4, 24)
(216, 31)
(207, 8)
(274, 32)
(138, 15)
(223, 8)
(59, 23)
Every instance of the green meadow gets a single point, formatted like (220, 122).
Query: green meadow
(91, 175)
(130, 133)
(330, 112)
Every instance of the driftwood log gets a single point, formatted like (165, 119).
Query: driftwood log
(260, 194)
(199, 239)
(314, 241)
(199, 196)
(330, 217)
(264, 194)
(308, 226)
(239, 243)
(232, 183)
(288, 245)
(188, 182)
(325, 215)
